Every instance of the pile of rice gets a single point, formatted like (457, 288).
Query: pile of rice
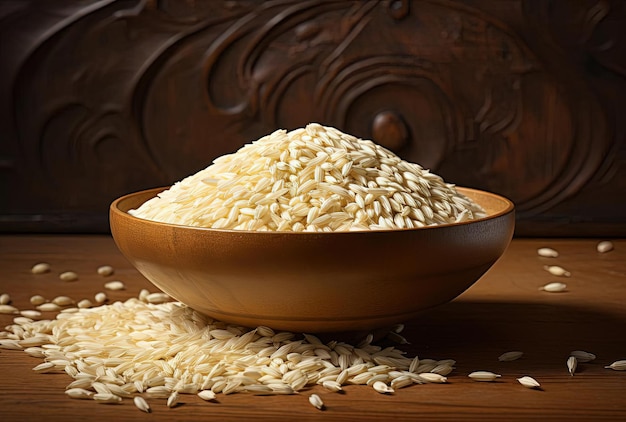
(311, 179)
(136, 349)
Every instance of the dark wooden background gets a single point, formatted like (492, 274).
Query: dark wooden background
(526, 98)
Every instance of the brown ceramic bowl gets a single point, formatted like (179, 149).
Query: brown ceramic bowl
(313, 282)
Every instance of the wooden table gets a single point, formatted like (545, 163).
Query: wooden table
(504, 311)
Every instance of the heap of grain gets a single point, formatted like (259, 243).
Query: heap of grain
(165, 350)
(311, 179)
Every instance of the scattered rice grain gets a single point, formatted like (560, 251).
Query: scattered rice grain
(45, 367)
(432, 377)
(528, 382)
(510, 356)
(382, 388)
(105, 270)
(158, 298)
(143, 294)
(31, 313)
(114, 285)
(333, 386)
(572, 363)
(316, 401)
(107, 398)
(40, 268)
(172, 400)
(8, 309)
(63, 300)
(554, 287)
(10, 344)
(84, 303)
(618, 365)
(34, 341)
(100, 297)
(397, 338)
(68, 276)
(158, 392)
(48, 307)
(557, 270)
(484, 376)
(547, 252)
(207, 395)
(79, 393)
(582, 356)
(141, 404)
(402, 381)
(604, 246)
(442, 369)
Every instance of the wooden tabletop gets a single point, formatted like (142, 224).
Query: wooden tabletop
(503, 311)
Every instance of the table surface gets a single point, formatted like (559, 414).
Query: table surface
(503, 311)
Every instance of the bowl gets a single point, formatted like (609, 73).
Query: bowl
(313, 282)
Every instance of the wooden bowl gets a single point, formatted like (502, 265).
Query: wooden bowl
(313, 282)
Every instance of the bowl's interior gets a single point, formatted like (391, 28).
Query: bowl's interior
(314, 281)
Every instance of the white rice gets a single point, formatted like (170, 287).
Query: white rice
(311, 179)
(133, 348)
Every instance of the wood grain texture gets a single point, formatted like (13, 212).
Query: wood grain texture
(518, 97)
(504, 311)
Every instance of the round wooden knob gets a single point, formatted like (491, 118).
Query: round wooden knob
(390, 130)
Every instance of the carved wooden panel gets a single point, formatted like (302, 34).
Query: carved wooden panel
(520, 97)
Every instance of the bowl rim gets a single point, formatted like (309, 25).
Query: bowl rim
(115, 209)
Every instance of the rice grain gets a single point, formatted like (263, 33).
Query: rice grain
(333, 386)
(582, 356)
(105, 270)
(554, 287)
(31, 313)
(68, 276)
(557, 270)
(510, 356)
(316, 401)
(40, 268)
(114, 285)
(63, 300)
(107, 398)
(8, 309)
(618, 365)
(604, 246)
(572, 363)
(158, 298)
(84, 303)
(207, 395)
(529, 382)
(79, 393)
(100, 297)
(45, 367)
(382, 388)
(442, 369)
(141, 404)
(172, 400)
(484, 376)
(547, 252)
(48, 307)
(10, 344)
(432, 377)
